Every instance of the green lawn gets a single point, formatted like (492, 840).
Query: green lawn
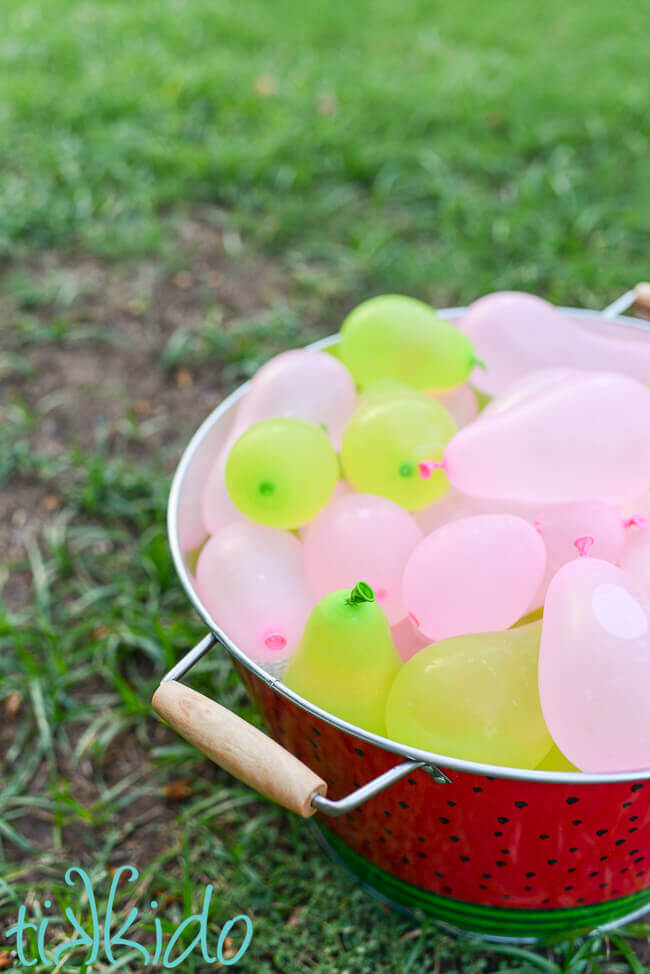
(185, 189)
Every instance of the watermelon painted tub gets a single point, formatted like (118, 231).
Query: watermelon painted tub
(507, 854)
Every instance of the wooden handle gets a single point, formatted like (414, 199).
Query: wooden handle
(642, 296)
(239, 748)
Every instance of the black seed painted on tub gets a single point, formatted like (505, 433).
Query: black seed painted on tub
(411, 781)
(313, 743)
(572, 870)
(361, 753)
(444, 821)
(500, 863)
(636, 787)
(382, 838)
(592, 875)
(572, 800)
(567, 888)
(602, 885)
(551, 862)
(477, 790)
(454, 838)
(573, 848)
(581, 899)
(506, 896)
(482, 886)
(543, 836)
(403, 804)
(505, 852)
(635, 829)
(642, 873)
(498, 834)
(356, 784)
(640, 859)
(624, 869)
(421, 838)
(620, 841)
(405, 859)
(464, 858)
(501, 820)
(527, 889)
(633, 852)
(633, 818)
(388, 831)
(451, 804)
(576, 821)
(439, 875)
(530, 875)
(488, 778)
(316, 731)
(544, 902)
(602, 831)
(626, 804)
(447, 889)
(521, 804)
(421, 855)
(602, 858)
(387, 813)
(487, 875)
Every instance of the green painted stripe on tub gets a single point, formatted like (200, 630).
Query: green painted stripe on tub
(478, 918)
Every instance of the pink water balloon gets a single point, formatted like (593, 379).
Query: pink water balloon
(216, 508)
(478, 574)
(456, 505)
(407, 639)
(586, 438)
(594, 667)
(304, 384)
(251, 579)
(526, 386)
(562, 526)
(460, 402)
(635, 560)
(342, 489)
(361, 536)
(514, 333)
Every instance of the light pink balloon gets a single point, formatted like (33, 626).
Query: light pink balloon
(251, 579)
(408, 640)
(594, 667)
(342, 489)
(514, 333)
(587, 438)
(568, 529)
(523, 388)
(474, 575)
(304, 384)
(454, 505)
(217, 509)
(635, 560)
(460, 402)
(366, 538)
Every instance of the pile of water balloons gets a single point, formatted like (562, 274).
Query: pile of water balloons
(439, 532)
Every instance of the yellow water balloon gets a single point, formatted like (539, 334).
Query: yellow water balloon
(473, 697)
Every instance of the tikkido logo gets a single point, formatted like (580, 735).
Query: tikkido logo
(94, 932)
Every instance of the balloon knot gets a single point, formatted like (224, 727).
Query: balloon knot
(584, 545)
(426, 467)
(636, 521)
(537, 524)
(360, 593)
(275, 641)
(479, 364)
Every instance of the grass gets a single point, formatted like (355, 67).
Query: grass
(185, 189)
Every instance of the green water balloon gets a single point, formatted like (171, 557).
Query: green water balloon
(346, 660)
(281, 472)
(397, 337)
(387, 437)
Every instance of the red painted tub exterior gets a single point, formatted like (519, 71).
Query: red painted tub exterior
(503, 845)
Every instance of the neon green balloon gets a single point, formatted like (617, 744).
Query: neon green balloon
(556, 761)
(385, 441)
(395, 337)
(281, 472)
(346, 660)
(473, 697)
